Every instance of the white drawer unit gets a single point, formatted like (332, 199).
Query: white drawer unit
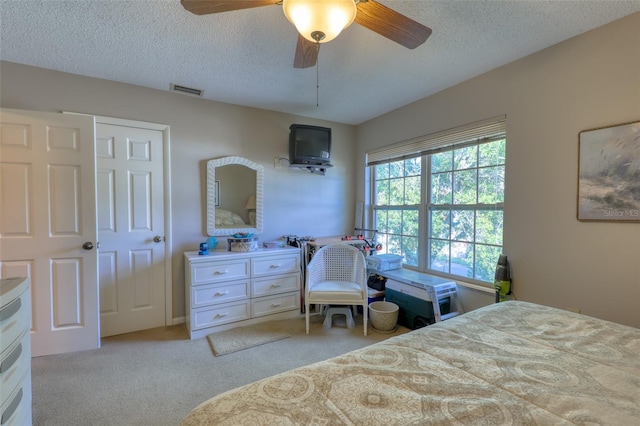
(215, 315)
(230, 289)
(221, 271)
(261, 306)
(275, 285)
(209, 294)
(15, 352)
(275, 265)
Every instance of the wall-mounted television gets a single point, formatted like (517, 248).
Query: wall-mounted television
(309, 145)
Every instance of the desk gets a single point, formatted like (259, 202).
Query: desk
(325, 241)
(310, 247)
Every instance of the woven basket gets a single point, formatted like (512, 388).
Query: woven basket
(243, 244)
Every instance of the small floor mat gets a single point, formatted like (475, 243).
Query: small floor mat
(240, 338)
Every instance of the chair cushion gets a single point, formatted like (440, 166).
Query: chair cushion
(336, 291)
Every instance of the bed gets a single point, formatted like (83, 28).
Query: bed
(508, 363)
(228, 218)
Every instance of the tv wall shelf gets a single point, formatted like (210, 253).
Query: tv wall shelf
(316, 169)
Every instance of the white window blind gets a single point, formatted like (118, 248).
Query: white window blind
(474, 133)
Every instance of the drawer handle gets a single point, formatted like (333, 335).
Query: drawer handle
(275, 266)
(222, 315)
(224, 293)
(11, 408)
(221, 272)
(275, 285)
(275, 305)
(11, 359)
(11, 309)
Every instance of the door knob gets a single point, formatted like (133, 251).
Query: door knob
(88, 245)
(158, 239)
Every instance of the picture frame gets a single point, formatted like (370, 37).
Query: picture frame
(609, 173)
(216, 193)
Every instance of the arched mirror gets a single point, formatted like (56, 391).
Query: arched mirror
(234, 196)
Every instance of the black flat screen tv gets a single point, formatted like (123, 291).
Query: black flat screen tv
(309, 145)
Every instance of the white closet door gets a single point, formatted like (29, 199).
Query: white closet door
(131, 228)
(48, 224)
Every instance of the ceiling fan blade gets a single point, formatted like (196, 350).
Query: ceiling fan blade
(306, 53)
(391, 24)
(205, 7)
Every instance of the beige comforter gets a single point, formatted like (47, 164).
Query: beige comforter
(508, 363)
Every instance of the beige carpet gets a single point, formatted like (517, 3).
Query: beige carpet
(155, 377)
(240, 338)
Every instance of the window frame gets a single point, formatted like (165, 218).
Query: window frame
(478, 208)
(419, 208)
(405, 151)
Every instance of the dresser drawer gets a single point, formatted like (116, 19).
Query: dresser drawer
(211, 272)
(276, 285)
(15, 363)
(16, 410)
(14, 320)
(221, 314)
(275, 265)
(211, 294)
(270, 305)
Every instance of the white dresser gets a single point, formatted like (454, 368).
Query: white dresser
(229, 289)
(15, 352)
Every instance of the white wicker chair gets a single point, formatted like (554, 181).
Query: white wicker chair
(337, 275)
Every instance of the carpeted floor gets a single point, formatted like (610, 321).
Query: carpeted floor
(157, 376)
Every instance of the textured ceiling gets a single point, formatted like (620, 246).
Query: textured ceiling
(246, 57)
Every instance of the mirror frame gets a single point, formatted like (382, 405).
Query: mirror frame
(211, 202)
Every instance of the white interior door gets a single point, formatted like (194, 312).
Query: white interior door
(47, 216)
(130, 228)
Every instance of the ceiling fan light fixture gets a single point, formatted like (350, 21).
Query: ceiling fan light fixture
(315, 17)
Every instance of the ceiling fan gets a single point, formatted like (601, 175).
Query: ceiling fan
(320, 21)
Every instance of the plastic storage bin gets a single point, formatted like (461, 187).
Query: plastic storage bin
(373, 295)
(384, 262)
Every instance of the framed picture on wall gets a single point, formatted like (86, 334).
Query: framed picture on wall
(609, 174)
(216, 192)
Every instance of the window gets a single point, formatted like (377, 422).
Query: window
(465, 210)
(442, 208)
(397, 203)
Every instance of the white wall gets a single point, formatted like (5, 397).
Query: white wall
(295, 201)
(587, 82)
(549, 97)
